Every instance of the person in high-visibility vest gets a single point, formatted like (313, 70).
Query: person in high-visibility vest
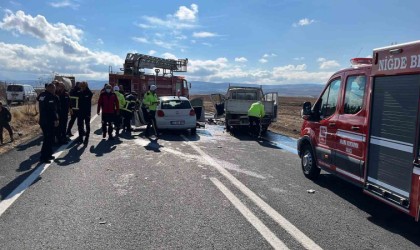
(118, 117)
(150, 101)
(127, 111)
(255, 114)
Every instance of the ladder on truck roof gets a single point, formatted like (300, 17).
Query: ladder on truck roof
(134, 63)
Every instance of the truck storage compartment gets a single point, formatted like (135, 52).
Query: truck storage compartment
(393, 127)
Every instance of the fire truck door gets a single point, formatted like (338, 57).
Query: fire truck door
(351, 130)
(393, 126)
(326, 134)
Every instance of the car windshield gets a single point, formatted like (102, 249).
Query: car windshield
(14, 88)
(176, 104)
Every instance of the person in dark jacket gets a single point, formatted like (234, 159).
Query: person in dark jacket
(63, 112)
(74, 107)
(48, 120)
(108, 102)
(5, 118)
(84, 113)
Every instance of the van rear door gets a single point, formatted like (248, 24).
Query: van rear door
(273, 96)
(393, 123)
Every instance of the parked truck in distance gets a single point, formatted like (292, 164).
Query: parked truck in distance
(235, 104)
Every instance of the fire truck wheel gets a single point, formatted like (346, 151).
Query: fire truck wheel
(309, 167)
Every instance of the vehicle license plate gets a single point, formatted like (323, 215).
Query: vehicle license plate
(177, 122)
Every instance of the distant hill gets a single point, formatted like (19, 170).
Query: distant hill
(307, 89)
(200, 88)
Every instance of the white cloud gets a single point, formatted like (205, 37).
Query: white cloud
(59, 51)
(64, 4)
(327, 64)
(152, 52)
(141, 39)
(241, 59)
(269, 55)
(263, 60)
(168, 23)
(204, 34)
(220, 70)
(99, 41)
(299, 58)
(207, 44)
(168, 56)
(304, 22)
(186, 14)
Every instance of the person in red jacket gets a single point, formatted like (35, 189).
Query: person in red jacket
(108, 102)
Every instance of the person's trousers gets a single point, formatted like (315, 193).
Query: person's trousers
(8, 128)
(107, 121)
(117, 123)
(71, 122)
(254, 124)
(47, 142)
(152, 121)
(83, 121)
(127, 119)
(62, 128)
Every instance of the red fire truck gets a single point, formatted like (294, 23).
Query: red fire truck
(364, 127)
(134, 78)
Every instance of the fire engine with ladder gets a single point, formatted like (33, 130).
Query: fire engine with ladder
(365, 127)
(133, 77)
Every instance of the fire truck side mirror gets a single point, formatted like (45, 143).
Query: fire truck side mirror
(306, 110)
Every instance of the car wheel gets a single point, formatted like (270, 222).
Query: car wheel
(193, 131)
(309, 167)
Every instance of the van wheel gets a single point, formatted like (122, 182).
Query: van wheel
(193, 131)
(309, 167)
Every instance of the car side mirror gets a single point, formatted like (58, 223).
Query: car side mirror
(306, 112)
(190, 85)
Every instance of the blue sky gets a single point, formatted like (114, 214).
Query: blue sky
(238, 41)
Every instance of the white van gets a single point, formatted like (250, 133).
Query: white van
(20, 93)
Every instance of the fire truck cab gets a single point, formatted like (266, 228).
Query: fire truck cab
(364, 127)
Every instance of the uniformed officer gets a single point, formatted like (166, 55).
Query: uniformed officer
(121, 103)
(255, 114)
(127, 111)
(63, 112)
(150, 101)
(48, 120)
(74, 107)
(84, 96)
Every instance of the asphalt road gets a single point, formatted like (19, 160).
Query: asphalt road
(212, 191)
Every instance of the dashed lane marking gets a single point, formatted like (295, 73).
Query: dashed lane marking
(298, 235)
(18, 191)
(275, 242)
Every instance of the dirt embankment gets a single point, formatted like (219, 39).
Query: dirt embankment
(288, 122)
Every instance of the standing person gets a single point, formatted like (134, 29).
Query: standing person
(63, 112)
(150, 101)
(48, 120)
(108, 102)
(5, 118)
(121, 103)
(74, 107)
(84, 113)
(127, 111)
(255, 114)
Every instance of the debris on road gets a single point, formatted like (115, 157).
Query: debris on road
(311, 191)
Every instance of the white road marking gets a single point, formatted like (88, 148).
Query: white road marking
(304, 240)
(18, 191)
(265, 232)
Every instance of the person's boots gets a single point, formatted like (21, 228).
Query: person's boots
(86, 141)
